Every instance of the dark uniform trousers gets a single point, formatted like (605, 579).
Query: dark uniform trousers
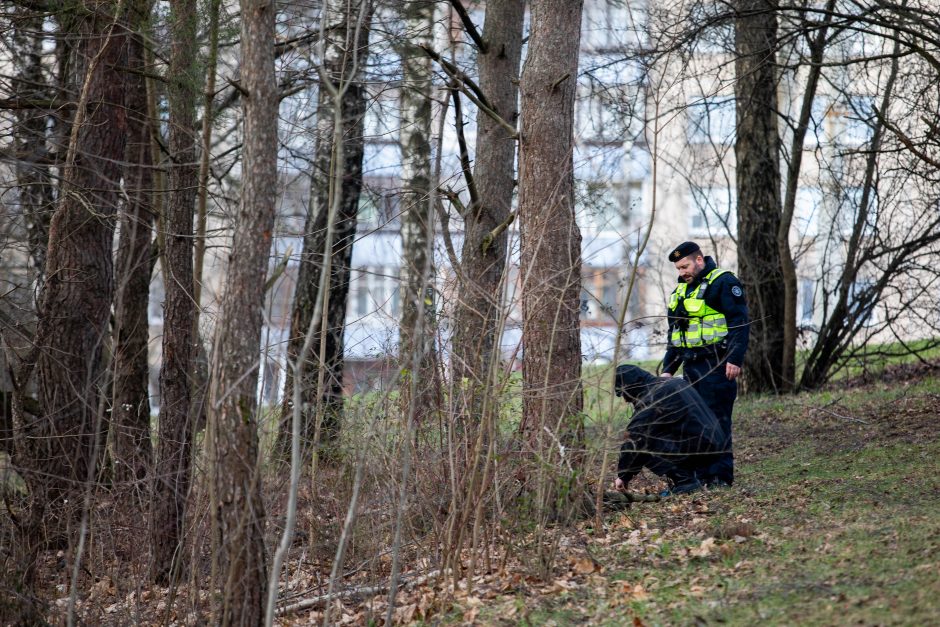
(706, 374)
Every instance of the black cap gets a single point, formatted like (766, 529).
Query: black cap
(683, 250)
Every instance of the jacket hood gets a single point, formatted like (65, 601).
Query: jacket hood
(632, 383)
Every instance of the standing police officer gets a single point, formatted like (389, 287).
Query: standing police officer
(708, 335)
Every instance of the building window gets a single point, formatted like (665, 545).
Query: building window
(711, 120)
(396, 300)
(612, 25)
(712, 211)
(362, 293)
(585, 305)
(808, 204)
(858, 121)
(807, 300)
(595, 118)
(816, 130)
(374, 290)
(600, 294)
(850, 206)
(600, 205)
(862, 303)
(609, 301)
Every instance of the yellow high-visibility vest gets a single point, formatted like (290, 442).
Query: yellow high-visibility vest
(706, 325)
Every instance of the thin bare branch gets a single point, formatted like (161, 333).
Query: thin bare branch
(469, 26)
(472, 90)
(464, 153)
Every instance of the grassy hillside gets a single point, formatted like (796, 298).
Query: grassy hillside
(834, 519)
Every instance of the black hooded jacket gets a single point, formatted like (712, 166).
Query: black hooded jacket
(670, 417)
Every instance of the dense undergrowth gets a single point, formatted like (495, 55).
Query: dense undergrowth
(834, 519)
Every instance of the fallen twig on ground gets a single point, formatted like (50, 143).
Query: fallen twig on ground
(353, 594)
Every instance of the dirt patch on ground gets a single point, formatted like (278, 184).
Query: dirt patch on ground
(893, 374)
(839, 425)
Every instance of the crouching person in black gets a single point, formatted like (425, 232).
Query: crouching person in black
(673, 433)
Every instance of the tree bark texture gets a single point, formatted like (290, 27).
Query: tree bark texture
(76, 297)
(130, 414)
(416, 343)
(483, 257)
(340, 52)
(757, 157)
(238, 511)
(171, 478)
(550, 240)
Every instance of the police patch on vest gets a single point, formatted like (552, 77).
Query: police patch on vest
(736, 290)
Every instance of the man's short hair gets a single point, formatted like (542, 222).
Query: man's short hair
(683, 250)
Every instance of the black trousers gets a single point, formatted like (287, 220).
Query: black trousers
(707, 377)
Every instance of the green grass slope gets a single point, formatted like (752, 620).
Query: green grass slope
(834, 520)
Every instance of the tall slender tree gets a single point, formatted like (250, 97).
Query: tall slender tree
(237, 508)
(34, 192)
(849, 311)
(172, 470)
(34, 186)
(817, 47)
(130, 414)
(484, 252)
(757, 158)
(346, 29)
(550, 265)
(75, 302)
(474, 360)
(416, 343)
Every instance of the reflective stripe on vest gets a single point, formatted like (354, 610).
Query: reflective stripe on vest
(706, 325)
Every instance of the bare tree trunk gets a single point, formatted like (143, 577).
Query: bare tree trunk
(208, 116)
(343, 52)
(416, 342)
(32, 202)
(35, 200)
(76, 297)
(172, 470)
(817, 48)
(34, 187)
(237, 508)
(757, 158)
(483, 257)
(551, 248)
(201, 358)
(130, 414)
